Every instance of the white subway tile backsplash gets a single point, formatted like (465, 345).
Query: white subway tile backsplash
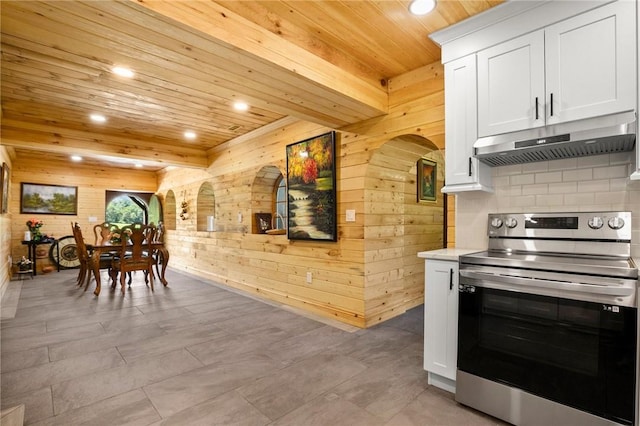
(522, 179)
(537, 167)
(593, 186)
(612, 197)
(538, 189)
(577, 175)
(579, 199)
(619, 184)
(621, 158)
(611, 172)
(550, 177)
(515, 169)
(499, 181)
(523, 201)
(514, 190)
(596, 183)
(555, 200)
(564, 164)
(593, 161)
(563, 188)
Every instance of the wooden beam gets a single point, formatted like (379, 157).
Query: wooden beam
(271, 55)
(60, 140)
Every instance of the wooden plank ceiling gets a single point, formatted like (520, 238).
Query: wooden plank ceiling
(322, 61)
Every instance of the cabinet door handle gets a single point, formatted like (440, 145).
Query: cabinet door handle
(470, 165)
(450, 278)
(537, 115)
(551, 101)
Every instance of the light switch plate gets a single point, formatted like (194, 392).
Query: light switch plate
(351, 216)
(93, 219)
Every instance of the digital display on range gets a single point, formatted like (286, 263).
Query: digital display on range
(551, 222)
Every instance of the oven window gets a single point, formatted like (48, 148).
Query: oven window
(577, 353)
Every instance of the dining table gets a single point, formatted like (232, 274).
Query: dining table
(116, 249)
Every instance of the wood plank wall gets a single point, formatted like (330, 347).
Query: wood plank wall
(372, 273)
(5, 234)
(91, 182)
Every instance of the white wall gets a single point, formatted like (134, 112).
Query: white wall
(596, 183)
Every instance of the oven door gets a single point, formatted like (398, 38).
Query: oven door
(577, 353)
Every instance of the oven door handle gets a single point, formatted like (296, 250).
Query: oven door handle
(556, 285)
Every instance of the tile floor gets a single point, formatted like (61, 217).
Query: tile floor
(195, 353)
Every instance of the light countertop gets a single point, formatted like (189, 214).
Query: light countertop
(447, 253)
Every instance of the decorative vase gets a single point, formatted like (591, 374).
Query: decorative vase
(36, 235)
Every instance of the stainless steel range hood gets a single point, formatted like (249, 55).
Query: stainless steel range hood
(601, 135)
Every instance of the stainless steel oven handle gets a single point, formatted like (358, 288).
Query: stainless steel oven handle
(557, 285)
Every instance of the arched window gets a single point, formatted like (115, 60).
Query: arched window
(124, 208)
(280, 203)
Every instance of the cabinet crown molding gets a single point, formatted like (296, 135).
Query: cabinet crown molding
(503, 22)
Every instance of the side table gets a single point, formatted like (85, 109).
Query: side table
(31, 248)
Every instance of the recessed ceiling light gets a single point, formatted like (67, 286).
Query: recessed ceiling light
(138, 165)
(123, 72)
(240, 106)
(189, 134)
(98, 118)
(76, 158)
(422, 7)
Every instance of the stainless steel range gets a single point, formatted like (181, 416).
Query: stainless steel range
(548, 321)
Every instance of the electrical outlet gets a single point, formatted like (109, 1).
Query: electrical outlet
(239, 217)
(309, 278)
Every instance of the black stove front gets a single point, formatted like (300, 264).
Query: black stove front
(547, 335)
(579, 354)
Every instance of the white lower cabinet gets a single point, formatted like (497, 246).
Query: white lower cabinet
(441, 323)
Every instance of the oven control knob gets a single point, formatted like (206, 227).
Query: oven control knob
(616, 222)
(596, 222)
(511, 222)
(496, 222)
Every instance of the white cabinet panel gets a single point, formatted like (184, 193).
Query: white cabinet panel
(590, 66)
(511, 85)
(441, 322)
(463, 171)
(579, 68)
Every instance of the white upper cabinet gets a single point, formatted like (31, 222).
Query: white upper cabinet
(578, 68)
(635, 175)
(463, 171)
(511, 85)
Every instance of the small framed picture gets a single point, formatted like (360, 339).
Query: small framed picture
(4, 183)
(427, 184)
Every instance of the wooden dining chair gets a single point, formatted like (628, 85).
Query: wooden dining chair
(157, 254)
(103, 231)
(136, 253)
(85, 257)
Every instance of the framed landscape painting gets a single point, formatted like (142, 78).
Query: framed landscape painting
(311, 189)
(4, 184)
(427, 183)
(48, 199)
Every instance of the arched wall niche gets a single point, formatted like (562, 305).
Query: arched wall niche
(170, 210)
(398, 226)
(205, 207)
(262, 195)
